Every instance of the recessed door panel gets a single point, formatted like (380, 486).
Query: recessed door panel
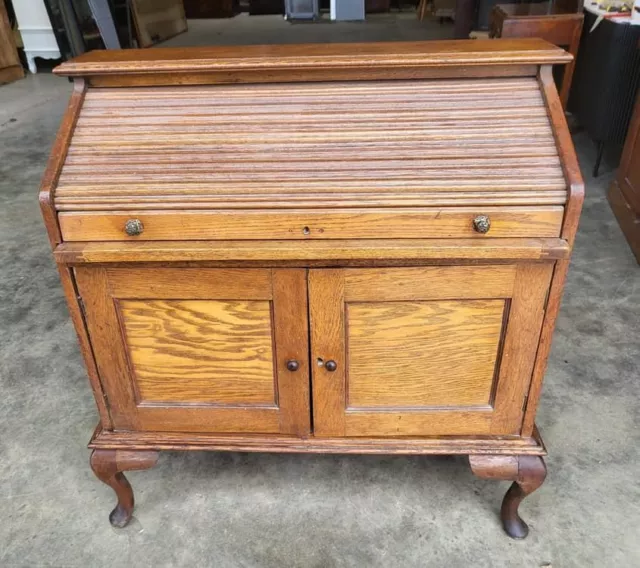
(216, 351)
(423, 354)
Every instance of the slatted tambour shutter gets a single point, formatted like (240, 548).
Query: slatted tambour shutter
(366, 144)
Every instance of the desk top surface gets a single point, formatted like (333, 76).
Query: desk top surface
(316, 56)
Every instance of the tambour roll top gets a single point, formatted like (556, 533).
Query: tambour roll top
(426, 137)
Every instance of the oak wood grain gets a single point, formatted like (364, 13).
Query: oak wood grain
(575, 183)
(311, 75)
(567, 153)
(433, 283)
(513, 346)
(404, 423)
(167, 283)
(200, 351)
(372, 250)
(106, 339)
(291, 338)
(399, 143)
(56, 161)
(422, 354)
(319, 224)
(192, 350)
(326, 319)
(67, 280)
(331, 242)
(469, 445)
(520, 345)
(272, 58)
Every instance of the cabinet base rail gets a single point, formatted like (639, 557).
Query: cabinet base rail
(513, 459)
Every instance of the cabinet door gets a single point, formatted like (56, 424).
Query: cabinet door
(200, 350)
(443, 350)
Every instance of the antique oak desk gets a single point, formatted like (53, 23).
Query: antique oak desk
(325, 248)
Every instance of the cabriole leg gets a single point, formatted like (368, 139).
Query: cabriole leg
(527, 472)
(108, 466)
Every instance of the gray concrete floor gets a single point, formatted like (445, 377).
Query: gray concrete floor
(245, 29)
(227, 509)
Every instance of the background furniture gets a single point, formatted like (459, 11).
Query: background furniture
(10, 66)
(378, 273)
(545, 21)
(347, 10)
(264, 7)
(302, 9)
(157, 20)
(605, 82)
(210, 8)
(624, 193)
(377, 6)
(36, 31)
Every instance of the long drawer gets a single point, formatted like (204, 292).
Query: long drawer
(390, 223)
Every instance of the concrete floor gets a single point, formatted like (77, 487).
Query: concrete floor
(252, 510)
(245, 29)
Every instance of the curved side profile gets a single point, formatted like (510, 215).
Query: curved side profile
(108, 466)
(527, 472)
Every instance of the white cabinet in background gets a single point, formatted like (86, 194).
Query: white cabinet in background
(36, 31)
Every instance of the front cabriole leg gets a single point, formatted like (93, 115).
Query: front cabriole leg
(527, 472)
(108, 466)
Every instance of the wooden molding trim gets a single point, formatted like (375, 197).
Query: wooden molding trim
(318, 57)
(56, 160)
(105, 439)
(310, 75)
(77, 317)
(575, 200)
(307, 251)
(566, 150)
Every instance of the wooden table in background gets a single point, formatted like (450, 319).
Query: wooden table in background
(538, 20)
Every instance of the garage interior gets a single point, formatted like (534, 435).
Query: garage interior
(235, 509)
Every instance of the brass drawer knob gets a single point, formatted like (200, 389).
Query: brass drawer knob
(293, 365)
(331, 366)
(133, 227)
(481, 224)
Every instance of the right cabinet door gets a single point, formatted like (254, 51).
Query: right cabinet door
(426, 351)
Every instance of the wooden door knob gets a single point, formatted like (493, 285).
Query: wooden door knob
(331, 366)
(133, 227)
(293, 365)
(481, 224)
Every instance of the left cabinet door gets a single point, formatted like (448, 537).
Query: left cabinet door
(200, 349)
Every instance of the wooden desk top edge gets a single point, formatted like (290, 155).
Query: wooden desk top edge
(425, 54)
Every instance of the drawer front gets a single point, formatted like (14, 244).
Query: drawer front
(399, 223)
